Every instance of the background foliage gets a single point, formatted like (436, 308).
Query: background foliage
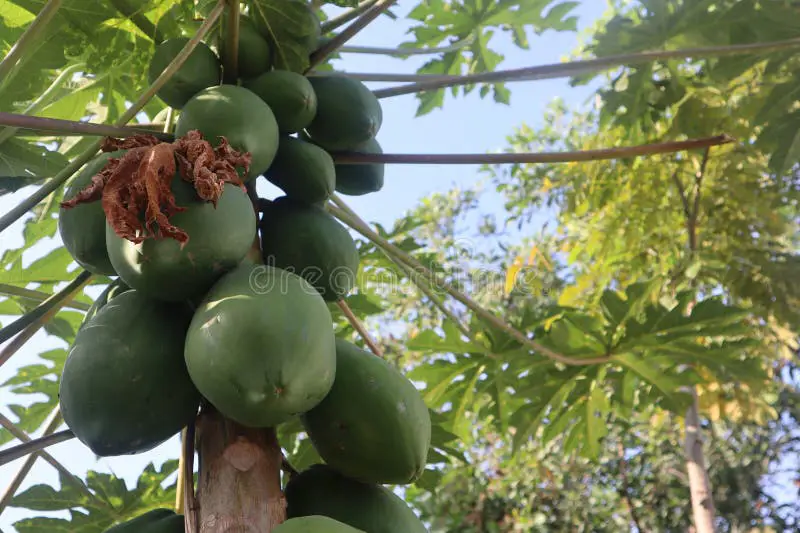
(679, 270)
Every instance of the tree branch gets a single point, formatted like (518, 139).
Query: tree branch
(541, 157)
(335, 22)
(574, 68)
(38, 296)
(34, 445)
(51, 304)
(407, 52)
(51, 425)
(400, 256)
(57, 125)
(625, 489)
(53, 184)
(359, 327)
(319, 55)
(368, 76)
(29, 38)
(682, 193)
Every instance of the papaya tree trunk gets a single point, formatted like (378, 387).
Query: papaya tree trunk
(239, 486)
(699, 484)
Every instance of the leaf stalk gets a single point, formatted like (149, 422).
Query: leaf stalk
(28, 40)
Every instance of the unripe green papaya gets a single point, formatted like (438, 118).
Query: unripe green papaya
(314, 524)
(125, 388)
(115, 288)
(261, 347)
(290, 96)
(200, 70)
(357, 180)
(303, 171)
(254, 54)
(308, 241)
(83, 227)
(237, 114)
(219, 237)
(372, 508)
(373, 425)
(348, 114)
(155, 521)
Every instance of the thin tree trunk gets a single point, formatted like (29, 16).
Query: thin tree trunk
(239, 489)
(699, 484)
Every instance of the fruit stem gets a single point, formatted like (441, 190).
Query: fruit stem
(406, 52)
(319, 55)
(14, 214)
(620, 152)
(34, 445)
(52, 424)
(57, 125)
(230, 63)
(37, 296)
(588, 66)
(359, 327)
(64, 471)
(51, 304)
(399, 256)
(28, 40)
(335, 22)
(138, 19)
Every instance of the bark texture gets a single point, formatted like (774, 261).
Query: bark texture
(239, 487)
(699, 484)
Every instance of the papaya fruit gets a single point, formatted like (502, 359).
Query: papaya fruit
(237, 114)
(219, 237)
(254, 52)
(202, 69)
(304, 171)
(155, 521)
(357, 180)
(309, 242)
(115, 288)
(373, 425)
(83, 228)
(306, 30)
(260, 347)
(348, 114)
(314, 524)
(290, 96)
(372, 508)
(125, 388)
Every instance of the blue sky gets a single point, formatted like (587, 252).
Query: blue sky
(465, 125)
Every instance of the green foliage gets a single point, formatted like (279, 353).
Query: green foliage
(108, 501)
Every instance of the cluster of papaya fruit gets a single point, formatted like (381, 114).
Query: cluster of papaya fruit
(201, 322)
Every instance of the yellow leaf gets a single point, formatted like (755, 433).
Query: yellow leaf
(511, 275)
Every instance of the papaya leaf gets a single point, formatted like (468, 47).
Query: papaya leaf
(111, 502)
(428, 341)
(668, 386)
(24, 162)
(288, 27)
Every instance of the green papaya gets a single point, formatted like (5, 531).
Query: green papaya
(306, 28)
(261, 347)
(348, 114)
(83, 228)
(304, 171)
(373, 425)
(115, 288)
(125, 388)
(309, 242)
(200, 70)
(254, 53)
(290, 96)
(372, 508)
(357, 180)
(219, 237)
(314, 524)
(237, 114)
(155, 521)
